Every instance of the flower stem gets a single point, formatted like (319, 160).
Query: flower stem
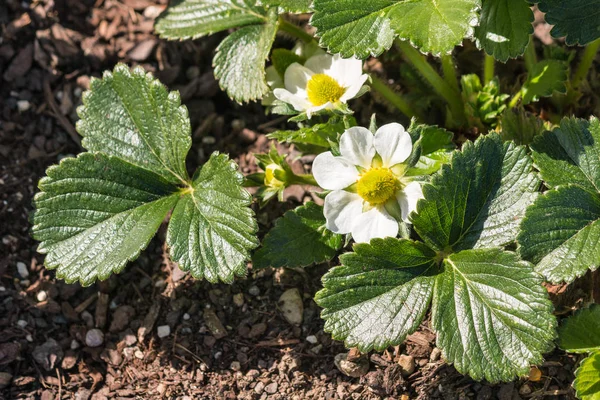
(586, 63)
(452, 96)
(515, 100)
(530, 55)
(488, 69)
(450, 71)
(302, 179)
(393, 98)
(294, 30)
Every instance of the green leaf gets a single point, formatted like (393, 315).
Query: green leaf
(131, 115)
(546, 77)
(436, 149)
(580, 333)
(520, 126)
(212, 229)
(95, 213)
(298, 239)
(479, 199)
(587, 384)
(240, 60)
(318, 134)
(191, 19)
(293, 6)
(380, 294)
(577, 20)
(492, 315)
(561, 230)
(504, 28)
(359, 28)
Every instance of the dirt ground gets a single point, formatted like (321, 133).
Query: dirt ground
(158, 333)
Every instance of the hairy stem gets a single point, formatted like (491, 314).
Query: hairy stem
(450, 72)
(585, 64)
(294, 30)
(530, 56)
(302, 179)
(448, 93)
(392, 97)
(488, 69)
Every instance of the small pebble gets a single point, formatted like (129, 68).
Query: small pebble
(130, 339)
(218, 355)
(271, 388)
(2, 289)
(94, 338)
(160, 283)
(208, 140)
(23, 105)
(42, 295)
(254, 290)
(139, 354)
(238, 299)
(312, 339)
(29, 338)
(74, 344)
(22, 323)
(163, 331)
(186, 317)
(235, 366)
(22, 270)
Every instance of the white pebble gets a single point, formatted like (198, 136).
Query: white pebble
(312, 339)
(160, 283)
(139, 354)
(186, 316)
(42, 295)
(29, 338)
(218, 355)
(235, 365)
(2, 289)
(74, 344)
(254, 290)
(22, 269)
(22, 323)
(94, 338)
(23, 105)
(163, 331)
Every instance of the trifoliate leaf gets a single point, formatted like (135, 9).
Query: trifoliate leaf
(298, 239)
(561, 230)
(520, 126)
(212, 229)
(577, 20)
(504, 28)
(546, 77)
(359, 28)
(191, 19)
(479, 199)
(380, 294)
(580, 333)
(240, 60)
(95, 213)
(318, 134)
(587, 383)
(491, 314)
(293, 6)
(131, 115)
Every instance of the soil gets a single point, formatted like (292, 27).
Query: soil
(153, 332)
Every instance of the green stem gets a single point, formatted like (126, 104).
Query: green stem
(585, 64)
(450, 72)
(295, 30)
(302, 179)
(393, 98)
(515, 100)
(488, 69)
(452, 96)
(530, 56)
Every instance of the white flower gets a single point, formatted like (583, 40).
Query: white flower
(370, 193)
(323, 82)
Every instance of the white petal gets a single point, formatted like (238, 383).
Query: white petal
(320, 64)
(375, 223)
(408, 199)
(314, 109)
(299, 103)
(356, 146)
(353, 90)
(341, 210)
(393, 144)
(296, 77)
(346, 71)
(333, 173)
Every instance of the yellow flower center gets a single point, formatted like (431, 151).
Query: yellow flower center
(377, 185)
(322, 88)
(270, 179)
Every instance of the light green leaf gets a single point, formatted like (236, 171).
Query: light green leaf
(298, 239)
(293, 6)
(436, 149)
(577, 20)
(479, 199)
(587, 381)
(212, 229)
(561, 230)
(240, 60)
(380, 294)
(580, 333)
(504, 28)
(131, 115)
(95, 213)
(191, 19)
(547, 77)
(318, 134)
(520, 126)
(358, 28)
(492, 315)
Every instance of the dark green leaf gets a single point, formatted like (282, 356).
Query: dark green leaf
(318, 134)
(130, 115)
(298, 239)
(95, 213)
(479, 199)
(580, 333)
(587, 384)
(491, 314)
(240, 60)
(380, 294)
(293, 6)
(546, 77)
(520, 126)
(577, 20)
(191, 19)
(212, 229)
(504, 28)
